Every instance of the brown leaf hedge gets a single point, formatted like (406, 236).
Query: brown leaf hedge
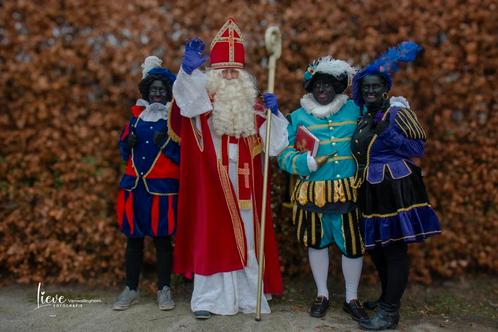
(69, 72)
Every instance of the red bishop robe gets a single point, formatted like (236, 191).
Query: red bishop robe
(210, 235)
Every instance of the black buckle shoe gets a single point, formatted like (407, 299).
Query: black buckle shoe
(319, 307)
(371, 304)
(386, 317)
(355, 309)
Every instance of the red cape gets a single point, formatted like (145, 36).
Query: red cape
(210, 234)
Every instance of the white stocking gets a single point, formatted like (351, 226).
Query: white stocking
(319, 262)
(351, 268)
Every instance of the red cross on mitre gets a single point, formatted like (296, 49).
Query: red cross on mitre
(227, 47)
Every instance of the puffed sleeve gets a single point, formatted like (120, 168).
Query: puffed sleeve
(190, 93)
(405, 134)
(278, 133)
(407, 121)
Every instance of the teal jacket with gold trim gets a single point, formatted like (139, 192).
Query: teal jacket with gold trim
(332, 182)
(334, 133)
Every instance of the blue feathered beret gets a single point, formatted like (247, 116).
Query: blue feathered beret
(385, 66)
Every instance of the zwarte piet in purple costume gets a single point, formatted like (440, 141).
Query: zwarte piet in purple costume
(393, 201)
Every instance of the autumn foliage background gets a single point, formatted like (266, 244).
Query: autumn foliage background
(69, 72)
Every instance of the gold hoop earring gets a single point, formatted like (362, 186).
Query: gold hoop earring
(385, 95)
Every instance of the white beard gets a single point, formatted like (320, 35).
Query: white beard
(233, 105)
(311, 106)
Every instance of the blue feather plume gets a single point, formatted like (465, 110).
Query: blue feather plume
(385, 65)
(388, 62)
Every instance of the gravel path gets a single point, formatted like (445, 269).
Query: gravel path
(19, 312)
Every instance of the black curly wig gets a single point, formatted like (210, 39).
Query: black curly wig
(144, 85)
(340, 84)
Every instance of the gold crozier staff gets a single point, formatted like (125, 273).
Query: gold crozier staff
(273, 41)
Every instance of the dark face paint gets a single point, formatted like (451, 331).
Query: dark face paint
(158, 92)
(323, 90)
(373, 88)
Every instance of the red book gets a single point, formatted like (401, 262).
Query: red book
(306, 141)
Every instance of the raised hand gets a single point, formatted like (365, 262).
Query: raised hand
(195, 44)
(271, 102)
(193, 57)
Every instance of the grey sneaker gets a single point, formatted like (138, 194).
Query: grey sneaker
(125, 299)
(164, 299)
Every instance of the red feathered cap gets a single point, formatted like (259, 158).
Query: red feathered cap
(227, 47)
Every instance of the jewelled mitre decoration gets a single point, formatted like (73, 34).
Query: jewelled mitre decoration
(227, 47)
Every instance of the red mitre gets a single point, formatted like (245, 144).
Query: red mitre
(227, 47)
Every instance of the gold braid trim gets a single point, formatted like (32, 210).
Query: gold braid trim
(321, 193)
(359, 178)
(245, 204)
(286, 155)
(410, 126)
(332, 140)
(398, 211)
(255, 146)
(331, 124)
(413, 121)
(403, 125)
(313, 228)
(293, 164)
(232, 208)
(310, 229)
(352, 232)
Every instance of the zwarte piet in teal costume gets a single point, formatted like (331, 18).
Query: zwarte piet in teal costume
(324, 201)
(393, 201)
(148, 190)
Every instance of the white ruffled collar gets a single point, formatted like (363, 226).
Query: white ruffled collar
(399, 101)
(153, 112)
(311, 106)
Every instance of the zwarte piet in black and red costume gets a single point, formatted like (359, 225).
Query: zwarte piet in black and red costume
(148, 190)
(393, 201)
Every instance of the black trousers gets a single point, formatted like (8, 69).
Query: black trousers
(393, 267)
(134, 258)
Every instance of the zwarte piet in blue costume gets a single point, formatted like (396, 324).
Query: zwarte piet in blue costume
(393, 201)
(148, 190)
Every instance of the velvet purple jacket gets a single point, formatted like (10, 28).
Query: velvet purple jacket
(393, 150)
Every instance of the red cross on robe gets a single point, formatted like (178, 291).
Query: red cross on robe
(210, 235)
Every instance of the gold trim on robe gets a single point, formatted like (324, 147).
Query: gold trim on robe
(232, 208)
